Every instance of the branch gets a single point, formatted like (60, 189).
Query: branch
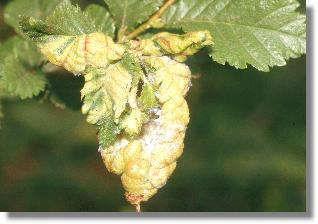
(142, 28)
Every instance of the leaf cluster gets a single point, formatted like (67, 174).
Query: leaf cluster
(260, 33)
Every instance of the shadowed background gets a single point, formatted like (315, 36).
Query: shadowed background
(245, 148)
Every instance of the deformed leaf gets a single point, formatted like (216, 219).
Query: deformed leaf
(178, 46)
(147, 97)
(145, 161)
(105, 96)
(129, 13)
(263, 33)
(171, 78)
(73, 52)
(133, 121)
(102, 19)
(105, 92)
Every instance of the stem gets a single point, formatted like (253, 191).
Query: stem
(142, 28)
(138, 210)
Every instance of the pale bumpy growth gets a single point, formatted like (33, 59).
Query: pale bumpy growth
(147, 161)
(134, 89)
(134, 93)
(75, 53)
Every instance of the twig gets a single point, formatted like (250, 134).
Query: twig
(142, 28)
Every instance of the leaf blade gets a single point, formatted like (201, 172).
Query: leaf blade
(36, 8)
(129, 13)
(68, 19)
(19, 80)
(101, 94)
(101, 19)
(261, 33)
(19, 72)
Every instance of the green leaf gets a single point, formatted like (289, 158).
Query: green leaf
(132, 65)
(101, 19)
(19, 71)
(21, 48)
(129, 13)
(263, 33)
(3, 94)
(147, 97)
(107, 132)
(7, 46)
(20, 80)
(35, 8)
(68, 19)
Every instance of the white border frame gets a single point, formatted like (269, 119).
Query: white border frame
(307, 217)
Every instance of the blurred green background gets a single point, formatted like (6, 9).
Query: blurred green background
(245, 148)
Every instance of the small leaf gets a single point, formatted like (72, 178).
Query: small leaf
(20, 79)
(133, 121)
(105, 92)
(105, 96)
(19, 72)
(263, 33)
(147, 97)
(36, 8)
(132, 65)
(101, 19)
(129, 13)
(107, 132)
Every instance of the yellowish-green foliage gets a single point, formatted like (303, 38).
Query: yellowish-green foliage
(134, 92)
(135, 88)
